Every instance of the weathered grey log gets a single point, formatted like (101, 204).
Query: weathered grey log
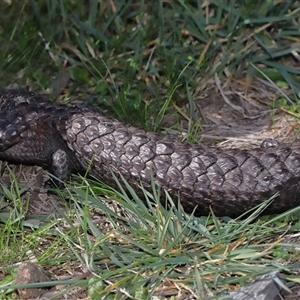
(262, 288)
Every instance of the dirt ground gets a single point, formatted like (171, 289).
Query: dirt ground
(233, 115)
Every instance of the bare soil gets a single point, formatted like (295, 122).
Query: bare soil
(234, 114)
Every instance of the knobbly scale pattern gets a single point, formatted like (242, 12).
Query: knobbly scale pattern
(75, 139)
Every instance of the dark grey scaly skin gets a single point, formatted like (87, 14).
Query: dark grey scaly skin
(70, 139)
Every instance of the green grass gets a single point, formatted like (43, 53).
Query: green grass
(153, 247)
(144, 64)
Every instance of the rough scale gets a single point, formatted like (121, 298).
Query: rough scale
(73, 139)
